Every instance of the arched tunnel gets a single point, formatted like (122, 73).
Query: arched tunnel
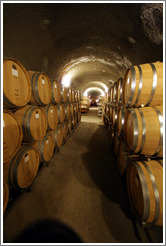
(87, 46)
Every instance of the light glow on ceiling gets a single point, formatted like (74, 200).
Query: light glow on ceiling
(66, 80)
(94, 89)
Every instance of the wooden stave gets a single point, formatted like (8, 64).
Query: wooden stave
(155, 97)
(6, 101)
(147, 175)
(20, 137)
(134, 149)
(13, 168)
(35, 98)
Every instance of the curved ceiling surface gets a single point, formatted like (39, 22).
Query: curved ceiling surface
(91, 43)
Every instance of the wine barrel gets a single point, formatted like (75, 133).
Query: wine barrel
(143, 85)
(114, 97)
(23, 168)
(67, 111)
(34, 122)
(12, 136)
(143, 131)
(5, 195)
(61, 113)
(124, 158)
(72, 109)
(70, 125)
(58, 136)
(16, 84)
(145, 189)
(52, 116)
(116, 142)
(65, 129)
(121, 111)
(56, 92)
(41, 88)
(119, 91)
(45, 147)
(64, 93)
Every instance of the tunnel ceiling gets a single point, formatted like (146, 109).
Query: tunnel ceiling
(91, 42)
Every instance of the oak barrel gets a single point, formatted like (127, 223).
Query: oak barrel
(61, 112)
(143, 131)
(58, 136)
(5, 195)
(16, 84)
(145, 189)
(41, 88)
(12, 136)
(143, 85)
(52, 116)
(34, 122)
(45, 147)
(23, 168)
(56, 92)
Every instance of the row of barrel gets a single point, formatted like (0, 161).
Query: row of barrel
(20, 170)
(38, 117)
(136, 135)
(21, 87)
(141, 86)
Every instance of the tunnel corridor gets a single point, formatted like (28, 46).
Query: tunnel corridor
(87, 47)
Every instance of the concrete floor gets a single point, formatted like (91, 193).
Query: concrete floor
(82, 188)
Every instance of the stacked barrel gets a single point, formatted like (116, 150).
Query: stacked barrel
(136, 133)
(38, 116)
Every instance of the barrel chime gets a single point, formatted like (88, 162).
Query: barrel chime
(134, 118)
(38, 116)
